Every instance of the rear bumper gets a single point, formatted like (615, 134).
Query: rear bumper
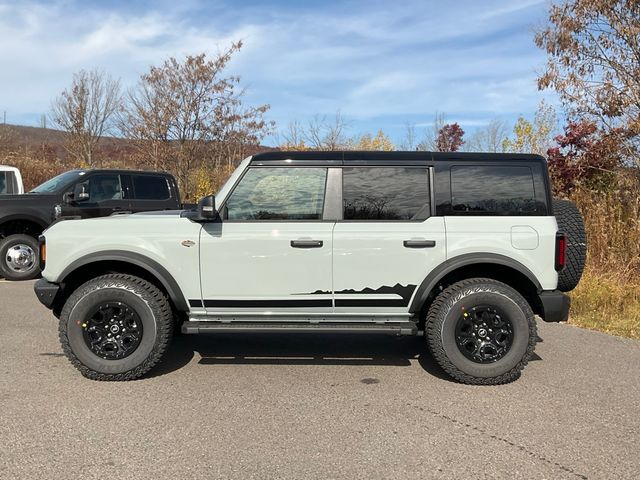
(46, 292)
(555, 306)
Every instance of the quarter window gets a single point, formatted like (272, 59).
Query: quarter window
(278, 194)
(385, 193)
(493, 190)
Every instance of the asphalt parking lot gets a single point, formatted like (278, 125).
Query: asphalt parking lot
(305, 407)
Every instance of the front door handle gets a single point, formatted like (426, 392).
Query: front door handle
(419, 243)
(306, 243)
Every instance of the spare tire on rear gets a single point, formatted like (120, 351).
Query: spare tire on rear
(571, 224)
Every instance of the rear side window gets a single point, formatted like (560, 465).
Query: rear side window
(385, 193)
(493, 190)
(150, 187)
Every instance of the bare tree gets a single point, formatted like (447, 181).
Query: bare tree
(410, 140)
(186, 116)
(489, 138)
(85, 112)
(430, 139)
(324, 135)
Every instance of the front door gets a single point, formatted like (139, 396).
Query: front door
(272, 250)
(387, 242)
(105, 196)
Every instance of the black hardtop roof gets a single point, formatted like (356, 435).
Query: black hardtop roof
(118, 170)
(358, 156)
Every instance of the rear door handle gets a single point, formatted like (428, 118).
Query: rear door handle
(419, 243)
(306, 243)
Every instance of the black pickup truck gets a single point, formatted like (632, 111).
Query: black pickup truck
(75, 194)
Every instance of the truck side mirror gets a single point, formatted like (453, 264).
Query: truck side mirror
(80, 193)
(207, 208)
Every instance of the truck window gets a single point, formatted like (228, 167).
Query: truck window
(492, 190)
(103, 187)
(278, 194)
(6, 185)
(385, 193)
(150, 187)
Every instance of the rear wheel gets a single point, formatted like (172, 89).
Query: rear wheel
(19, 258)
(481, 331)
(115, 327)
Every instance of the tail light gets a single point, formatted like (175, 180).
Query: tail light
(561, 251)
(42, 246)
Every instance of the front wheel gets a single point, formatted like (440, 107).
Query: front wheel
(19, 258)
(481, 331)
(115, 327)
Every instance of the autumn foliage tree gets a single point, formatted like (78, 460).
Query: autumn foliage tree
(583, 158)
(189, 118)
(593, 49)
(450, 138)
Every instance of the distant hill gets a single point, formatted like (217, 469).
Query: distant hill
(36, 138)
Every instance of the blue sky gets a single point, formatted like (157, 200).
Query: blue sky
(380, 63)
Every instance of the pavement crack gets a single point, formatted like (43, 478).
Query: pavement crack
(498, 438)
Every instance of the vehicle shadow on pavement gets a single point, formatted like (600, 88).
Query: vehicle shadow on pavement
(299, 349)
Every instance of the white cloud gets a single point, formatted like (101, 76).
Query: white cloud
(374, 61)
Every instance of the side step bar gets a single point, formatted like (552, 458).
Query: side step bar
(397, 328)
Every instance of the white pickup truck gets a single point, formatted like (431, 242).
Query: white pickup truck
(10, 181)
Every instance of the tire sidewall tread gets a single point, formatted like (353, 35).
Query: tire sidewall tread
(440, 328)
(116, 287)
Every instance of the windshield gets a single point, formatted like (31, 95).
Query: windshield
(56, 183)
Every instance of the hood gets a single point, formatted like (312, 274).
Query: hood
(28, 198)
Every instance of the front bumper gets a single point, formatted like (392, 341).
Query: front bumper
(555, 306)
(46, 292)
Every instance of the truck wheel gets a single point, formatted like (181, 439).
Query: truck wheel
(19, 257)
(570, 223)
(115, 327)
(481, 331)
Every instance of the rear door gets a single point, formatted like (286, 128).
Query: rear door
(388, 240)
(151, 192)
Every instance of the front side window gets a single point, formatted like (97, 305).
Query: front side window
(278, 194)
(492, 190)
(385, 193)
(150, 187)
(103, 188)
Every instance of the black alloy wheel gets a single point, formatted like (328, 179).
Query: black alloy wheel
(484, 334)
(112, 331)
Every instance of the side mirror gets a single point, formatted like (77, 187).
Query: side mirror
(207, 208)
(67, 198)
(80, 193)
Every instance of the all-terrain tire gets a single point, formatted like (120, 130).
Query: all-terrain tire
(444, 315)
(9, 268)
(571, 224)
(144, 298)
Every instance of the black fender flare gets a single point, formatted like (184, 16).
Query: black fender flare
(139, 260)
(448, 266)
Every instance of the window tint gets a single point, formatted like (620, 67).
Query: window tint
(385, 193)
(279, 194)
(493, 190)
(6, 184)
(150, 187)
(102, 188)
